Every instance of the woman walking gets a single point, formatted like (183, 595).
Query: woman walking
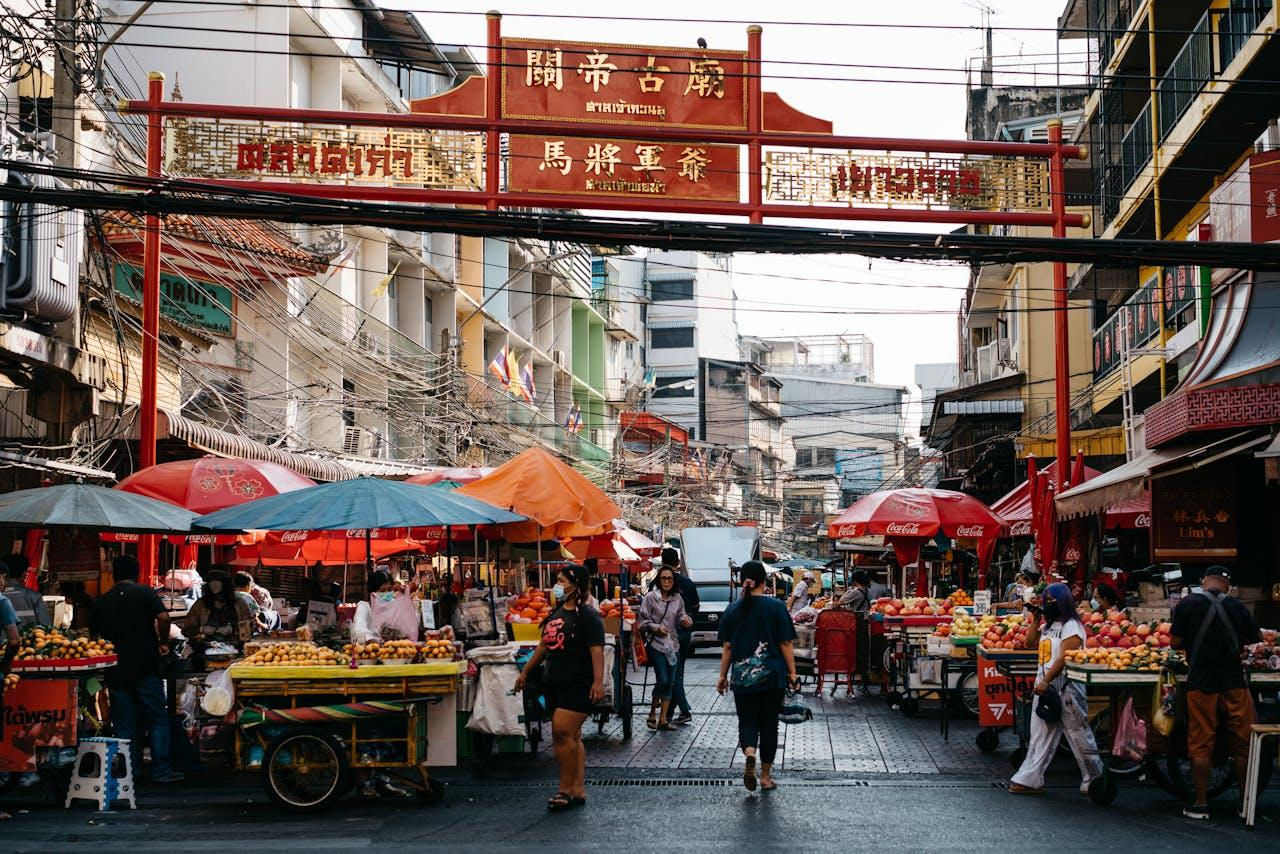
(661, 617)
(757, 662)
(1062, 632)
(572, 648)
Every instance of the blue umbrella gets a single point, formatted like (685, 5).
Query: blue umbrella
(83, 505)
(361, 503)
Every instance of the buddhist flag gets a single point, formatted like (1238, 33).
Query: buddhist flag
(498, 367)
(528, 388)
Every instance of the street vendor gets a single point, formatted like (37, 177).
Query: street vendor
(218, 614)
(1021, 591)
(1106, 599)
(804, 593)
(28, 603)
(367, 626)
(858, 597)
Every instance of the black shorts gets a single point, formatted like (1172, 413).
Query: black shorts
(573, 697)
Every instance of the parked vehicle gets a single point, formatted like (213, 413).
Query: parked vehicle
(710, 556)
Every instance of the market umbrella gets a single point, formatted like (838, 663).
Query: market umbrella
(603, 548)
(1015, 507)
(558, 501)
(908, 518)
(363, 503)
(206, 484)
(457, 474)
(82, 505)
(637, 542)
(326, 550)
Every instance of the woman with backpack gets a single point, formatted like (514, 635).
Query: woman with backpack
(757, 663)
(572, 649)
(1061, 707)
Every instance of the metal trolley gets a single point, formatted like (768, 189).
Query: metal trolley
(307, 729)
(1166, 761)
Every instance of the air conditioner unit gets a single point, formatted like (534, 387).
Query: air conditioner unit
(558, 356)
(352, 438)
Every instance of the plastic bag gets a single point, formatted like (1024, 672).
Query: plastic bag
(1130, 741)
(395, 618)
(1164, 703)
(498, 706)
(219, 694)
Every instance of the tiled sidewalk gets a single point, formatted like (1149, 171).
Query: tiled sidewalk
(854, 736)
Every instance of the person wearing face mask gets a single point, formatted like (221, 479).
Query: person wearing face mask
(572, 648)
(1106, 599)
(1062, 631)
(661, 618)
(218, 615)
(364, 628)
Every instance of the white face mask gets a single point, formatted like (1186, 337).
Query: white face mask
(215, 587)
(387, 596)
(559, 592)
(1095, 604)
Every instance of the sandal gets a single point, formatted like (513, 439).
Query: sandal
(749, 774)
(652, 723)
(559, 802)
(666, 726)
(769, 786)
(1019, 789)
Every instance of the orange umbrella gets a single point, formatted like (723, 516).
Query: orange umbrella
(559, 502)
(320, 548)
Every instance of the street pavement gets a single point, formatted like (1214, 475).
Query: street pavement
(857, 777)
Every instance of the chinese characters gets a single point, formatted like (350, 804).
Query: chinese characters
(623, 167)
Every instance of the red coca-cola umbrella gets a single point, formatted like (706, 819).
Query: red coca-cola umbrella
(908, 518)
(206, 484)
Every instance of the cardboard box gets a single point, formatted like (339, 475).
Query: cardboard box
(1152, 594)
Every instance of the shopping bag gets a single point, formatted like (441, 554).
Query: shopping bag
(642, 653)
(498, 706)
(1164, 703)
(794, 709)
(1130, 740)
(396, 617)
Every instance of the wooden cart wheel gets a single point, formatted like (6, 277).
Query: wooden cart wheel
(965, 698)
(305, 769)
(432, 790)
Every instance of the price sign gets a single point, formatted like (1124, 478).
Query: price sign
(981, 602)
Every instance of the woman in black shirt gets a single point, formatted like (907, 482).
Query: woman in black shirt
(572, 648)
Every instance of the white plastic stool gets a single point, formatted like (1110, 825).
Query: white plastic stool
(1257, 738)
(95, 777)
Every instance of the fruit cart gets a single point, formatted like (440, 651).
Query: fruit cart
(1166, 759)
(914, 674)
(307, 727)
(45, 711)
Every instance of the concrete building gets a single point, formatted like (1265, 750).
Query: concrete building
(690, 316)
(933, 377)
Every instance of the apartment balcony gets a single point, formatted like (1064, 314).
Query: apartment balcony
(1135, 149)
(1132, 326)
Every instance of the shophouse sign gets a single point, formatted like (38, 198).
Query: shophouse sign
(195, 303)
(1194, 515)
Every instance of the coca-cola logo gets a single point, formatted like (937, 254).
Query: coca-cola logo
(970, 531)
(1020, 529)
(1072, 555)
(903, 528)
(293, 536)
(1143, 520)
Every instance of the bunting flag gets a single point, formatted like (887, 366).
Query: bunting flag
(513, 373)
(650, 379)
(528, 388)
(573, 423)
(498, 367)
(569, 418)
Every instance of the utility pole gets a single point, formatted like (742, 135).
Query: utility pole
(65, 85)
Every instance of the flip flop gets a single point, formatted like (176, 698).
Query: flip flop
(749, 774)
(768, 787)
(559, 802)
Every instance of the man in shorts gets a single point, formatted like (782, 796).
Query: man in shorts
(1214, 627)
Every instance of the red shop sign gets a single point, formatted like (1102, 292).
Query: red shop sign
(996, 694)
(36, 713)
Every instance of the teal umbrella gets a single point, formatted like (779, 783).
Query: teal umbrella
(361, 503)
(83, 505)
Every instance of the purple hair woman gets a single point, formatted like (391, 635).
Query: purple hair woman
(1061, 632)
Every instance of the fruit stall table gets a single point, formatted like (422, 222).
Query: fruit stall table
(1165, 761)
(305, 727)
(907, 659)
(43, 717)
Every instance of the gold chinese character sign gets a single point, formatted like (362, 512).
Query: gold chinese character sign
(392, 157)
(856, 178)
(623, 168)
(599, 83)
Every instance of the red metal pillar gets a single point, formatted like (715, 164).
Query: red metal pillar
(492, 109)
(1061, 342)
(151, 242)
(755, 120)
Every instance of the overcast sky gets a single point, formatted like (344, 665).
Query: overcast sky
(909, 310)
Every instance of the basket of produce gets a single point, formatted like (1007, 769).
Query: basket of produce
(51, 650)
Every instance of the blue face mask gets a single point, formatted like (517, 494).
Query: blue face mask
(558, 592)
(388, 596)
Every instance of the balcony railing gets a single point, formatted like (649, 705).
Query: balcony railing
(1236, 24)
(1135, 149)
(1188, 74)
(1135, 323)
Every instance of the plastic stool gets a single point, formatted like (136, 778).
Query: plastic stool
(103, 773)
(1258, 734)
